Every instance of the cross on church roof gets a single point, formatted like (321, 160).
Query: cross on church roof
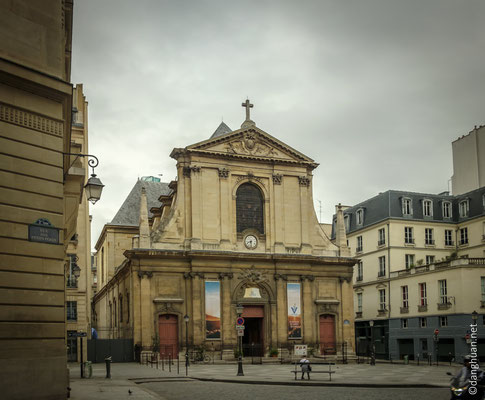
(248, 105)
(247, 123)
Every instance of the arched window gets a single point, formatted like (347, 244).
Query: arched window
(249, 208)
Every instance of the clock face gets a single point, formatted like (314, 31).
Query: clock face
(250, 241)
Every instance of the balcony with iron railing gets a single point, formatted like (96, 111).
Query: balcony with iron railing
(429, 242)
(422, 308)
(451, 263)
(381, 274)
(359, 249)
(409, 241)
(381, 242)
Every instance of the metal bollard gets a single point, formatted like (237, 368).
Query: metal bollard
(107, 360)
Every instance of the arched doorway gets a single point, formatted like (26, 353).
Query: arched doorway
(168, 334)
(327, 334)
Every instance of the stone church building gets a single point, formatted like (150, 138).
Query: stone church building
(237, 227)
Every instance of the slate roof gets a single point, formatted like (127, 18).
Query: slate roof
(129, 212)
(389, 205)
(221, 130)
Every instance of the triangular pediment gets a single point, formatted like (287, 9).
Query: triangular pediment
(250, 143)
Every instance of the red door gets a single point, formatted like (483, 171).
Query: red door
(167, 330)
(327, 334)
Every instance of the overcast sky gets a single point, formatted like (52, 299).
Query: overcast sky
(373, 90)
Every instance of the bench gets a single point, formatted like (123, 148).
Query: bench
(297, 371)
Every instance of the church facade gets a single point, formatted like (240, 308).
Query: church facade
(237, 227)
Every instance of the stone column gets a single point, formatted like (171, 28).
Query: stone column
(196, 202)
(347, 302)
(305, 206)
(225, 202)
(308, 309)
(197, 311)
(147, 331)
(278, 213)
(281, 313)
(226, 321)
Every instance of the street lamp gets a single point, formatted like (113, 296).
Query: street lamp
(474, 317)
(436, 340)
(186, 320)
(93, 186)
(372, 348)
(239, 312)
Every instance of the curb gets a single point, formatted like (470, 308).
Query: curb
(328, 384)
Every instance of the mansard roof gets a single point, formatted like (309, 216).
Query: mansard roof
(129, 212)
(247, 143)
(389, 205)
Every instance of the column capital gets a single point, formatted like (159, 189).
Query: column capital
(280, 276)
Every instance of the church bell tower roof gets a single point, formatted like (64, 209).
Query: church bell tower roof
(221, 130)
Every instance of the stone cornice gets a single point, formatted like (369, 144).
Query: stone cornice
(237, 256)
(269, 160)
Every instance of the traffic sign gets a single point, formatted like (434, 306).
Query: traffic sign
(240, 327)
(240, 321)
(240, 332)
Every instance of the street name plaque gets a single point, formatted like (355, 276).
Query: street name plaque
(42, 231)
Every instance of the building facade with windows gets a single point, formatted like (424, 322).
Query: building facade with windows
(421, 267)
(78, 268)
(237, 227)
(39, 197)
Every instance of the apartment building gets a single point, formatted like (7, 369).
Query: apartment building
(78, 273)
(421, 267)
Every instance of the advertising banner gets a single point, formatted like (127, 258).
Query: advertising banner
(294, 311)
(212, 310)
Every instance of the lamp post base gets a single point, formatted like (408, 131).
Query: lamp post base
(239, 367)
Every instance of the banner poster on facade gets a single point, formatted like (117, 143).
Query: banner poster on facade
(294, 311)
(212, 309)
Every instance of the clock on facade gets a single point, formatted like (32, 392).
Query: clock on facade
(251, 242)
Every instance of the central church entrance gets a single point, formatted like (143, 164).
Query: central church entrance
(253, 339)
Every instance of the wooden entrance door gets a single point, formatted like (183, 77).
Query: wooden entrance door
(327, 334)
(168, 333)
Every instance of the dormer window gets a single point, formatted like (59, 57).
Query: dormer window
(347, 223)
(464, 208)
(360, 217)
(427, 208)
(446, 208)
(407, 206)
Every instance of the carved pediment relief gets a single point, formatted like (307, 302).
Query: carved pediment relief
(250, 143)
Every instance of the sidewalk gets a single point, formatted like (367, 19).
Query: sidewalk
(129, 376)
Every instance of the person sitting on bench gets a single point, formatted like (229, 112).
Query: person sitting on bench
(305, 367)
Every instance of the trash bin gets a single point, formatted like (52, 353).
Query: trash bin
(88, 369)
(406, 359)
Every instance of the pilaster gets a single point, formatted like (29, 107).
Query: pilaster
(281, 310)
(227, 323)
(308, 310)
(147, 330)
(197, 312)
